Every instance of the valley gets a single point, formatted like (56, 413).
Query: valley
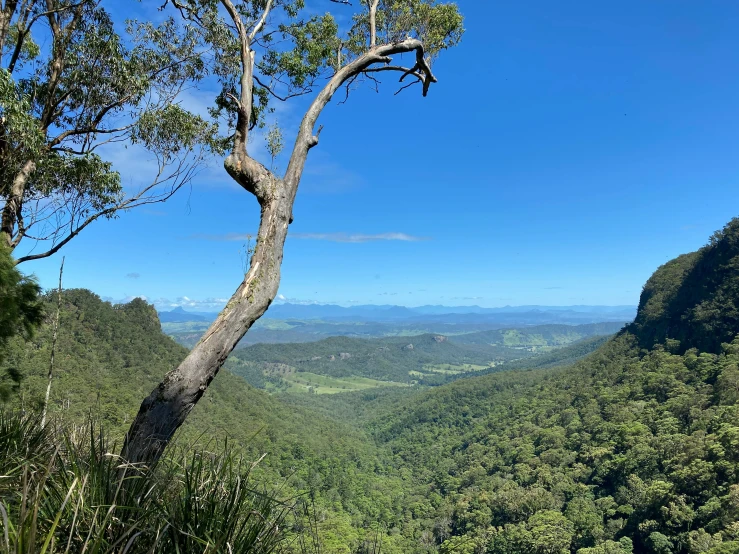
(584, 439)
(339, 364)
(369, 277)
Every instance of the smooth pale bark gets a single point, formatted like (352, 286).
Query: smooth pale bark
(168, 405)
(166, 408)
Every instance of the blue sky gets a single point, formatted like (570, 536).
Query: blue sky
(567, 151)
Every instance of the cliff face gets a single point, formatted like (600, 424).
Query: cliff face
(693, 299)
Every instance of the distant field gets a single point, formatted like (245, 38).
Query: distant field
(306, 382)
(348, 364)
(186, 327)
(452, 369)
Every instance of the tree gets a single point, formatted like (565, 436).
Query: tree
(21, 311)
(254, 66)
(70, 84)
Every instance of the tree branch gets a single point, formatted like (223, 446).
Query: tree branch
(182, 174)
(373, 22)
(26, 29)
(247, 83)
(275, 95)
(381, 54)
(261, 22)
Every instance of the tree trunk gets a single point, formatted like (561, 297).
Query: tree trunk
(6, 15)
(166, 408)
(14, 203)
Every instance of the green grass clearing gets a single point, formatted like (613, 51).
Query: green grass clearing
(451, 369)
(304, 381)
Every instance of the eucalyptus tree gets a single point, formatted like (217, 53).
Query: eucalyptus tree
(72, 86)
(264, 50)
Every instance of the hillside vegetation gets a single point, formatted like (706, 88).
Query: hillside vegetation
(633, 449)
(109, 357)
(339, 364)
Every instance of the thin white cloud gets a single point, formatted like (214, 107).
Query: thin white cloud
(357, 237)
(133, 275)
(228, 237)
(205, 304)
(330, 237)
(167, 304)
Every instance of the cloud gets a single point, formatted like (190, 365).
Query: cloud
(466, 298)
(203, 305)
(133, 275)
(167, 304)
(125, 300)
(282, 299)
(357, 237)
(233, 237)
(330, 237)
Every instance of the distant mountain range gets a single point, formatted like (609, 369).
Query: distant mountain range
(179, 315)
(508, 315)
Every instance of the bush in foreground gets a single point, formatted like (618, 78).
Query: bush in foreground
(63, 490)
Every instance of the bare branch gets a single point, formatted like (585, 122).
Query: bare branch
(404, 70)
(185, 11)
(182, 172)
(86, 131)
(271, 91)
(381, 54)
(409, 85)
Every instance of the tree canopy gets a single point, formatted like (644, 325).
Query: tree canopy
(21, 311)
(71, 86)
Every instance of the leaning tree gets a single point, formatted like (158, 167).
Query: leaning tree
(263, 50)
(71, 85)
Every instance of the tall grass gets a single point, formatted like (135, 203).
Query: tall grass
(64, 490)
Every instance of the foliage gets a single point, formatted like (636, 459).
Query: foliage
(622, 445)
(629, 448)
(86, 86)
(694, 299)
(21, 312)
(296, 49)
(69, 493)
(109, 355)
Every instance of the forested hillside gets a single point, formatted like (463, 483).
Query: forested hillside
(109, 357)
(631, 449)
(340, 364)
